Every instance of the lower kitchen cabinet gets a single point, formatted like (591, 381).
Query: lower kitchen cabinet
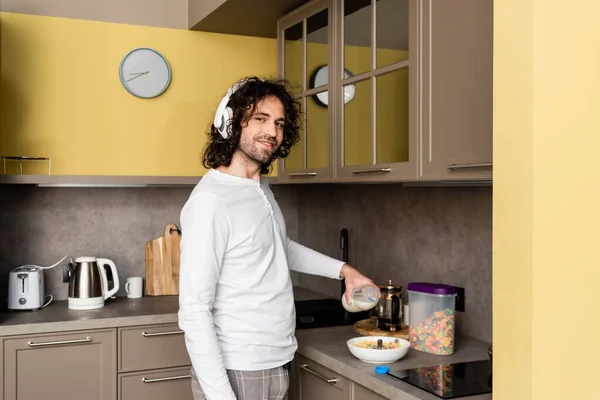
(151, 347)
(312, 381)
(172, 384)
(142, 362)
(315, 382)
(147, 362)
(360, 392)
(60, 366)
(153, 363)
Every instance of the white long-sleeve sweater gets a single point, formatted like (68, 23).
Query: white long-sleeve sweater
(236, 302)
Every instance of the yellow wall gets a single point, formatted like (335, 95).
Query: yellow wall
(61, 96)
(546, 199)
(392, 103)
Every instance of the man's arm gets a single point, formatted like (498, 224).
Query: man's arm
(308, 261)
(205, 231)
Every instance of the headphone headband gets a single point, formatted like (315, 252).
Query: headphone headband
(224, 114)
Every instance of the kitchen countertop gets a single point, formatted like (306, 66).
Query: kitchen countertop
(327, 346)
(119, 312)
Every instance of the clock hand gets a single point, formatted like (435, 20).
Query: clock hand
(137, 75)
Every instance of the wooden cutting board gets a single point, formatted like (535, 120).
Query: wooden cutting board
(162, 263)
(367, 327)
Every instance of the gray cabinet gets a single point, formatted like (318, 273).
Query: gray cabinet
(141, 362)
(377, 111)
(60, 366)
(360, 392)
(407, 95)
(456, 93)
(153, 363)
(151, 347)
(306, 50)
(313, 381)
(160, 384)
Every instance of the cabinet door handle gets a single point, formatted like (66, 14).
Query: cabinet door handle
(39, 344)
(170, 378)
(146, 334)
(328, 380)
(302, 174)
(472, 165)
(369, 170)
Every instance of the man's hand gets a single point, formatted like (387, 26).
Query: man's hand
(353, 279)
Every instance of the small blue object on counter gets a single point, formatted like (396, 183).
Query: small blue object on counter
(382, 369)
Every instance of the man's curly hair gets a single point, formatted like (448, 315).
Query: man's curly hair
(219, 152)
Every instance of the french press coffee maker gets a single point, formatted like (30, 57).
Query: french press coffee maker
(389, 308)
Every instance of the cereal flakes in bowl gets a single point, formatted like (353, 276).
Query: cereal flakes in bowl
(378, 349)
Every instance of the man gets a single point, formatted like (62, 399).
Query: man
(235, 292)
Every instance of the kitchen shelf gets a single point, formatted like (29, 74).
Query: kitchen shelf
(99, 180)
(171, 181)
(104, 180)
(239, 17)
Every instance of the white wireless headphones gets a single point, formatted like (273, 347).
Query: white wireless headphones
(224, 114)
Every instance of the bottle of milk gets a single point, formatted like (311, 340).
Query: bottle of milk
(363, 298)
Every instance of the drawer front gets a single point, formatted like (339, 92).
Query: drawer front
(67, 365)
(172, 384)
(315, 382)
(362, 393)
(152, 347)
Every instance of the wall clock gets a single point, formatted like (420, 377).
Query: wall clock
(145, 73)
(320, 78)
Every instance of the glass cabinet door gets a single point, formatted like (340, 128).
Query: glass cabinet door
(376, 87)
(305, 56)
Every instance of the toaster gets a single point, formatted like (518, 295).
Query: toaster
(26, 289)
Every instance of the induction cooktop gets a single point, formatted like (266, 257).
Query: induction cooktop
(450, 381)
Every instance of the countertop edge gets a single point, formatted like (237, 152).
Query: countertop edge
(93, 323)
(324, 346)
(367, 380)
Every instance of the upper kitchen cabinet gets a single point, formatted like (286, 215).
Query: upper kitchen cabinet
(375, 86)
(305, 44)
(410, 97)
(456, 62)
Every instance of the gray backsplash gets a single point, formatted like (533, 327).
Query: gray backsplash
(42, 225)
(398, 233)
(407, 234)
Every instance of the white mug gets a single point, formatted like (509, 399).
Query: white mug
(133, 287)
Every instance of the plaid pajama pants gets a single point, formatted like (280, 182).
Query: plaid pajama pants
(269, 384)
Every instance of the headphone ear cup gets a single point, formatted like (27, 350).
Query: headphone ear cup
(224, 114)
(226, 117)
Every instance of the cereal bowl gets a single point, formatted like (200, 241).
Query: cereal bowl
(365, 348)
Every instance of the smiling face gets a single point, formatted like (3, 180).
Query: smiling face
(262, 134)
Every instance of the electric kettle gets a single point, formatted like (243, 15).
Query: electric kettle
(88, 283)
(389, 308)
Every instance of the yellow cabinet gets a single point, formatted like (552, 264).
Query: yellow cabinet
(305, 44)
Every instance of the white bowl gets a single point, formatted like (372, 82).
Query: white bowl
(379, 356)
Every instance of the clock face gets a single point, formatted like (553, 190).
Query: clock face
(145, 73)
(320, 79)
